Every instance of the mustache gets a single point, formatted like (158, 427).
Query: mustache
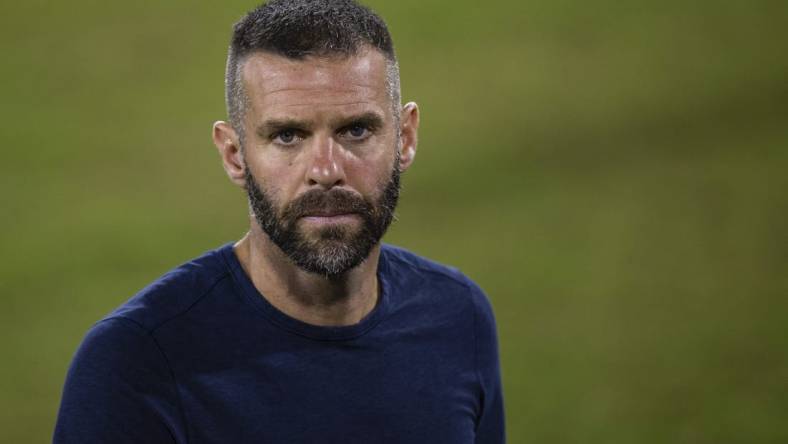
(317, 202)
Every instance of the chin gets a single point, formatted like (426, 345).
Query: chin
(333, 234)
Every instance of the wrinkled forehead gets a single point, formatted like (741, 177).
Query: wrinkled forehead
(275, 82)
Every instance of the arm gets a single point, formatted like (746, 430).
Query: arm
(490, 423)
(119, 389)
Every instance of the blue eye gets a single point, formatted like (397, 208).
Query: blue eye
(357, 131)
(285, 137)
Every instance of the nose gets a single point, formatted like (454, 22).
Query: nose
(326, 165)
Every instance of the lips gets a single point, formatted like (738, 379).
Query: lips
(330, 209)
(336, 206)
(328, 213)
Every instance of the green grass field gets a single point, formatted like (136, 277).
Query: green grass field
(613, 175)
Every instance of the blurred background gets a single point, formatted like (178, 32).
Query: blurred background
(613, 174)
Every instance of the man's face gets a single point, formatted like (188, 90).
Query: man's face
(321, 155)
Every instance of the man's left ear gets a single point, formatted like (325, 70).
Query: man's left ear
(409, 134)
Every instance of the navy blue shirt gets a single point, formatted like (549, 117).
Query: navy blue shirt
(199, 356)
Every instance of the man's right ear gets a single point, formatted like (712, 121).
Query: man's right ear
(226, 140)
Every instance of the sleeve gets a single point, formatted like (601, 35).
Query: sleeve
(119, 389)
(490, 423)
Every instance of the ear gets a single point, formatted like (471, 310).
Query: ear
(409, 134)
(226, 140)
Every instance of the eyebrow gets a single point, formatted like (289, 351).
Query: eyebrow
(370, 119)
(275, 125)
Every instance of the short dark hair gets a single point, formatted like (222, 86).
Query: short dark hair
(300, 28)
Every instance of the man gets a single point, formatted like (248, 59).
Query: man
(308, 329)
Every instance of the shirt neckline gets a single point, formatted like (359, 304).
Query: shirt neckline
(251, 295)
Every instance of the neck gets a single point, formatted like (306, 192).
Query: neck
(309, 297)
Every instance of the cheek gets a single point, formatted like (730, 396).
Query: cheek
(369, 175)
(281, 175)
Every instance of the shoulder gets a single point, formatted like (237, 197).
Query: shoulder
(119, 388)
(175, 292)
(120, 356)
(405, 262)
(412, 268)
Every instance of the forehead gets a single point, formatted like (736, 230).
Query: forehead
(281, 87)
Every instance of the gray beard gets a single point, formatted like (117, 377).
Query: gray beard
(334, 250)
